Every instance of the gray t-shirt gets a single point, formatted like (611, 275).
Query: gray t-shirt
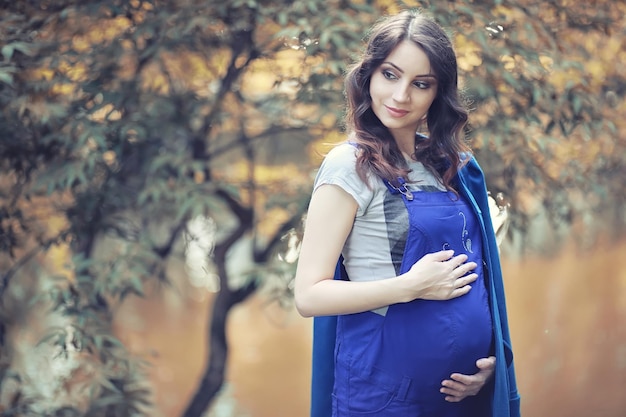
(375, 245)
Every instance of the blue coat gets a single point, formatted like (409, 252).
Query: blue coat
(506, 400)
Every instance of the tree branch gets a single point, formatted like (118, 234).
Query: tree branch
(213, 376)
(41, 247)
(262, 255)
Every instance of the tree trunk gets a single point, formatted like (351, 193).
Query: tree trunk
(213, 377)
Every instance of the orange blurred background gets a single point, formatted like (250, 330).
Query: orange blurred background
(567, 316)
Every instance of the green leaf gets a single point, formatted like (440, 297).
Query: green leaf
(576, 104)
(6, 76)
(282, 17)
(55, 333)
(137, 286)
(23, 47)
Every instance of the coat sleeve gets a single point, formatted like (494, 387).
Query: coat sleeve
(506, 397)
(323, 370)
(323, 358)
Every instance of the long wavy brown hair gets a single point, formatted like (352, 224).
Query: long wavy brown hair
(440, 150)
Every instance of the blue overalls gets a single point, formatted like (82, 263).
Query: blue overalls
(505, 401)
(391, 365)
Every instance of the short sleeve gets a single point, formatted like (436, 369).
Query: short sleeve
(339, 168)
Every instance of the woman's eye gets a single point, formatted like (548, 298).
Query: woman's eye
(421, 85)
(389, 75)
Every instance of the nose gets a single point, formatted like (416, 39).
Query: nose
(401, 93)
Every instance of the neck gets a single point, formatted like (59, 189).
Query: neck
(406, 145)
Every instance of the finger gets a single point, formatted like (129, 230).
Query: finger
(456, 391)
(452, 395)
(460, 291)
(452, 399)
(467, 279)
(466, 268)
(456, 397)
(486, 363)
(453, 387)
(458, 260)
(441, 256)
(465, 379)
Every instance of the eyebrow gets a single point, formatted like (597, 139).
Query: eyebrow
(401, 71)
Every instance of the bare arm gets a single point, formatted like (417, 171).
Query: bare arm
(437, 276)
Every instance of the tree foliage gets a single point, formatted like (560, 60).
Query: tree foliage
(124, 120)
(547, 101)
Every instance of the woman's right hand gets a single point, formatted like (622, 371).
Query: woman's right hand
(440, 276)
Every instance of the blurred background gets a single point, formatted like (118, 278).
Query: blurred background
(156, 161)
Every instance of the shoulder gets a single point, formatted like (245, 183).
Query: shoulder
(340, 161)
(339, 168)
(345, 152)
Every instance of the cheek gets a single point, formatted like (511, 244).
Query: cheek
(428, 101)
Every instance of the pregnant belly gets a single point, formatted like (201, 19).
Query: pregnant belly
(426, 341)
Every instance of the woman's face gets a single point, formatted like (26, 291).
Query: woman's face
(402, 89)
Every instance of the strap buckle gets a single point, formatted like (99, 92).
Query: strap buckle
(400, 188)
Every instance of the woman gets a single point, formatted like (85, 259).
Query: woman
(414, 323)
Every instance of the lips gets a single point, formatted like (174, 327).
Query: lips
(396, 112)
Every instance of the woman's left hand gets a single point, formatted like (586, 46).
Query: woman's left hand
(460, 386)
